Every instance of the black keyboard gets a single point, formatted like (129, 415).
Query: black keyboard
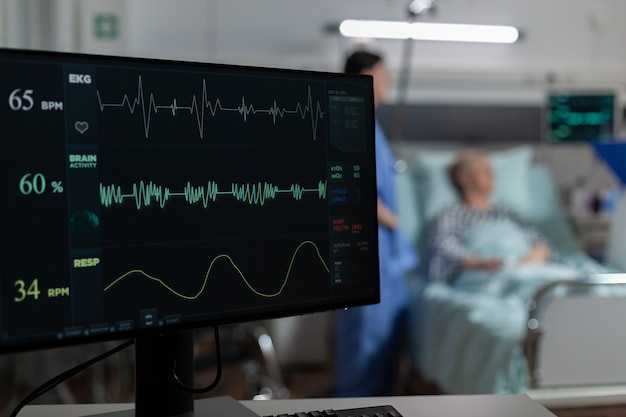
(375, 411)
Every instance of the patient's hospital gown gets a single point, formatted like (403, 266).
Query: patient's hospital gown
(446, 248)
(367, 337)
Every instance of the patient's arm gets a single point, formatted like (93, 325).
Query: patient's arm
(386, 217)
(488, 264)
(539, 253)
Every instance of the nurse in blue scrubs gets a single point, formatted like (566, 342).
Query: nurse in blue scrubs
(368, 338)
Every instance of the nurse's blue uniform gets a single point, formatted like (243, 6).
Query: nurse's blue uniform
(367, 337)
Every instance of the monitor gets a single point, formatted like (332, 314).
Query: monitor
(581, 116)
(147, 198)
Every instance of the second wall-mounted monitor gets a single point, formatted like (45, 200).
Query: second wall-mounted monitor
(581, 115)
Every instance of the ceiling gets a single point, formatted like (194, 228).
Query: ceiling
(564, 42)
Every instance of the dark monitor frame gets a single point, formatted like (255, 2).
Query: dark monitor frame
(158, 346)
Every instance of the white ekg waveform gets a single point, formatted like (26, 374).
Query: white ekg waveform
(200, 107)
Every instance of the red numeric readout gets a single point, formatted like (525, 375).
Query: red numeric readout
(346, 225)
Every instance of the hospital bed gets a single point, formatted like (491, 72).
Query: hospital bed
(564, 332)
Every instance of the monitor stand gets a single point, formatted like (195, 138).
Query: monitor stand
(157, 392)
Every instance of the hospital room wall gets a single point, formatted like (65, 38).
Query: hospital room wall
(496, 126)
(563, 40)
(567, 43)
(577, 172)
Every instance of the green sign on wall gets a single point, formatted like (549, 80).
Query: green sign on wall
(106, 26)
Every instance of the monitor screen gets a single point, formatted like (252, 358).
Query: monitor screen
(581, 116)
(146, 196)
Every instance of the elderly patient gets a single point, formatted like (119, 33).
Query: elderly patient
(454, 242)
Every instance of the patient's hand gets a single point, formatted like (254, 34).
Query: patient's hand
(385, 216)
(488, 264)
(539, 253)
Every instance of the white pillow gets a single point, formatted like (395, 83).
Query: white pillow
(510, 168)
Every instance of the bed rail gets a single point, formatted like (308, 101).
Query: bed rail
(535, 330)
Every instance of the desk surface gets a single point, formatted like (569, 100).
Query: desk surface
(409, 406)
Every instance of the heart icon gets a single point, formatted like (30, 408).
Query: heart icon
(81, 127)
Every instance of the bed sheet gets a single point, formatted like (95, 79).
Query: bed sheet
(468, 339)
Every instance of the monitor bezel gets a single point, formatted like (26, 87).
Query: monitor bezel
(315, 307)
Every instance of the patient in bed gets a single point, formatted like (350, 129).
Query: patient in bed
(475, 238)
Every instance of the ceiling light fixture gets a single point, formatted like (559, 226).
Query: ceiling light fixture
(428, 31)
(419, 7)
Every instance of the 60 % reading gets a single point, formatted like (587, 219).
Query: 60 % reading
(36, 183)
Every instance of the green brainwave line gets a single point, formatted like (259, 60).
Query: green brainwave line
(145, 193)
(208, 273)
(254, 193)
(321, 189)
(194, 194)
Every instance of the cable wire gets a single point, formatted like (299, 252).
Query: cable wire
(218, 373)
(54, 381)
